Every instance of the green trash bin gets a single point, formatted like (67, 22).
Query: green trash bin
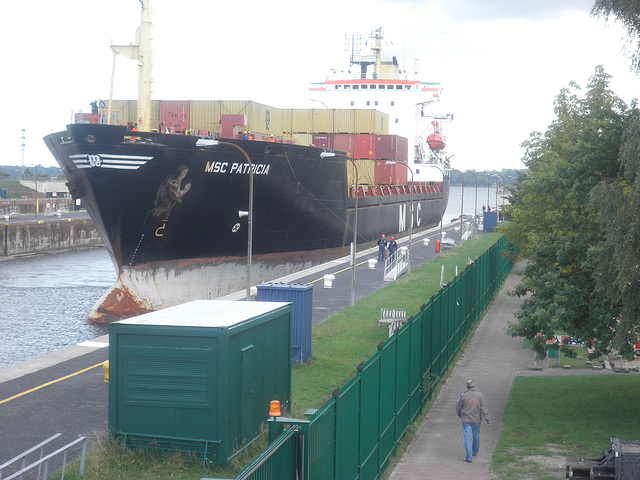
(553, 352)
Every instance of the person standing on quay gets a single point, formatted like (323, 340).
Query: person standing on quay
(393, 246)
(382, 246)
(472, 408)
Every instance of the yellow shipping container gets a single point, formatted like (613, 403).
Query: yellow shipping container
(264, 119)
(205, 115)
(366, 172)
(322, 121)
(300, 138)
(124, 111)
(371, 121)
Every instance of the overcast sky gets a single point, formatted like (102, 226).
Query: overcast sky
(501, 62)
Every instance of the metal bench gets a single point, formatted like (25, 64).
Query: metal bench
(393, 318)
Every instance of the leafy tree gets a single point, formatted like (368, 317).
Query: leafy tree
(618, 256)
(556, 228)
(628, 13)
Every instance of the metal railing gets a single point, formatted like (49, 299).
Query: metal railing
(23, 456)
(358, 430)
(44, 463)
(396, 264)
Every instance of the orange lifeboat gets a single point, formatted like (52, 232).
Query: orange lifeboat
(435, 141)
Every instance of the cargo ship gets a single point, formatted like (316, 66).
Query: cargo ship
(189, 213)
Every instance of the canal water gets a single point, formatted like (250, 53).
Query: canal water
(44, 299)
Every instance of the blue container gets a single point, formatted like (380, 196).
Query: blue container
(301, 298)
(3, 193)
(490, 221)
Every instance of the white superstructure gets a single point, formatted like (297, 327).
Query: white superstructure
(386, 87)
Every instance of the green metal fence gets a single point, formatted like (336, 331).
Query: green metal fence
(356, 433)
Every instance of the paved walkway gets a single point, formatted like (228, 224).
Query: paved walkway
(492, 359)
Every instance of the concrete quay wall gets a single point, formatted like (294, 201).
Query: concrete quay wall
(42, 237)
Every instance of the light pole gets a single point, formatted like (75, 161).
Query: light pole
(504, 186)
(497, 188)
(462, 205)
(442, 205)
(355, 239)
(202, 142)
(488, 188)
(475, 208)
(390, 162)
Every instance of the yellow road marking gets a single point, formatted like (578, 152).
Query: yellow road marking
(50, 383)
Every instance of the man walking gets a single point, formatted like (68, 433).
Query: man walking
(472, 408)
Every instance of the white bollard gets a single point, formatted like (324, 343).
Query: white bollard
(425, 242)
(372, 263)
(404, 250)
(328, 280)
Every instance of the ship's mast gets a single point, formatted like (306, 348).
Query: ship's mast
(144, 68)
(377, 49)
(141, 52)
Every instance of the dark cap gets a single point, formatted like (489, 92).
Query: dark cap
(471, 384)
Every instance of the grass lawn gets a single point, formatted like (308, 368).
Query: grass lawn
(14, 188)
(548, 419)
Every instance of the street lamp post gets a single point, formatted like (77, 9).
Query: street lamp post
(202, 142)
(410, 209)
(355, 239)
(475, 208)
(497, 188)
(442, 204)
(504, 186)
(462, 205)
(488, 188)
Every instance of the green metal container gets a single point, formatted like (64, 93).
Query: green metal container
(200, 376)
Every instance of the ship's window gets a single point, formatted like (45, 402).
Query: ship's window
(347, 87)
(364, 87)
(376, 103)
(393, 103)
(408, 87)
(396, 120)
(398, 87)
(352, 103)
(355, 87)
(373, 87)
(368, 103)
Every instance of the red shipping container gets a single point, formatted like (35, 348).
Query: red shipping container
(343, 142)
(391, 174)
(322, 140)
(365, 146)
(174, 113)
(230, 124)
(391, 147)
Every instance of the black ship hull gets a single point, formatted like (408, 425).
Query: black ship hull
(170, 211)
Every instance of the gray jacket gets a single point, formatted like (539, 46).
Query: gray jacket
(472, 407)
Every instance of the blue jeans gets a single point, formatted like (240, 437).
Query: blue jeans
(471, 430)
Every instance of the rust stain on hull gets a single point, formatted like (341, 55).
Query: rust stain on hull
(153, 286)
(118, 303)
